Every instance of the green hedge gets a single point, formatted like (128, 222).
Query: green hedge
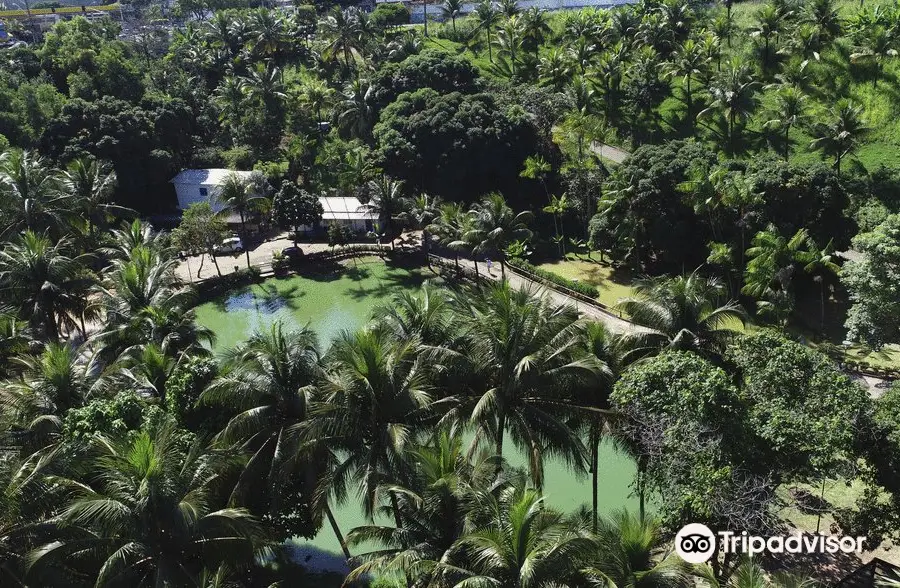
(217, 285)
(583, 289)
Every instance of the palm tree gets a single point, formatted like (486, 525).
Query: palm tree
(820, 263)
(41, 281)
(486, 18)
(452, 9)
(137, 234)
(840, 136)
(387, 203)
(49, 385)
(509, 40)
(264, 83)
(316, 95)
(91, 183)
(496, 226)
(32, 195)
(267, 384)
(434, 510)
(145, 369)
(513, 345)
(771, 267)
(606, 347)
(689, 63)
(558, 207)
(358, 110)
(825, 17)
(229, 98)
(790, 111)
(684, 313)
(374, 398)
(143, 300)
(267, 33)
(418, 213)
(625, 555)
(877, 45)
(750, 574)
(769, 22)
(518, 542)
(426, 316)
(236, 195)
(145, 510)
(449, 227)
(732, 94)
(343, 28)
(555, 68)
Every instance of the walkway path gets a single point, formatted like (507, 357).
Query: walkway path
(615, 323)
(609, 152)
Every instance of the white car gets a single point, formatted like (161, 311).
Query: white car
(230, 245)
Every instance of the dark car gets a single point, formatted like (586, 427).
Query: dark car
(292, 252)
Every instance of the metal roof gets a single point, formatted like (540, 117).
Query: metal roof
(344, 208)
(206, 177)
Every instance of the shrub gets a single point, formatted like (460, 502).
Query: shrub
(390, 15)
(218, 284)
(583, 289)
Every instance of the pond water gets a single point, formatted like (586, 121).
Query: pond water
(344, 299)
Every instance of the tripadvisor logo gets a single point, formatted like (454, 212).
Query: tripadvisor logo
(696, 543)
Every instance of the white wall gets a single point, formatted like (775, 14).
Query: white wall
(190, 193)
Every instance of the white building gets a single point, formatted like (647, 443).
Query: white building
(199, 185)
(349, 211)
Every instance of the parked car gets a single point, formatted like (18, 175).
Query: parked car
(292, 252)
(230, 245)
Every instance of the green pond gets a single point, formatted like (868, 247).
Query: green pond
(331, 301)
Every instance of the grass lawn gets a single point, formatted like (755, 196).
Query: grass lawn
(886, 357)
(613, 284)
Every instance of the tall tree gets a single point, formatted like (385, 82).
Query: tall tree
(41, 281)
(387, 203)
(685, 313)
(237, 195)
(200, 231)
(839, 137)
(514, 345)
(294, 208)
(496, 226)
(267, 386)
(146, 512)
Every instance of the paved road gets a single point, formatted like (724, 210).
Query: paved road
(612, 321)
(609, 152)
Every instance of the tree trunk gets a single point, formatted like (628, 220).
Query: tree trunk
(787, 142)
(395, 506)
(337, 531)
(595, 458)
(200, 269)
(498, 448)
(425, 15)
(490, 52)
(244, 240)
(502, 267)
(212, 256)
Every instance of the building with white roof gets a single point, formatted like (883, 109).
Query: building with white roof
(199, 185)
(349, 211)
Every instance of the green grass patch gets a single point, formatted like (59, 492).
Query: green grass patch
(612, 284)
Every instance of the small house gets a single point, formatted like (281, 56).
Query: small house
(199, 185)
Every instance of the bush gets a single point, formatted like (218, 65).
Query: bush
(390, 15)
(218, 284)
(583, 289)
